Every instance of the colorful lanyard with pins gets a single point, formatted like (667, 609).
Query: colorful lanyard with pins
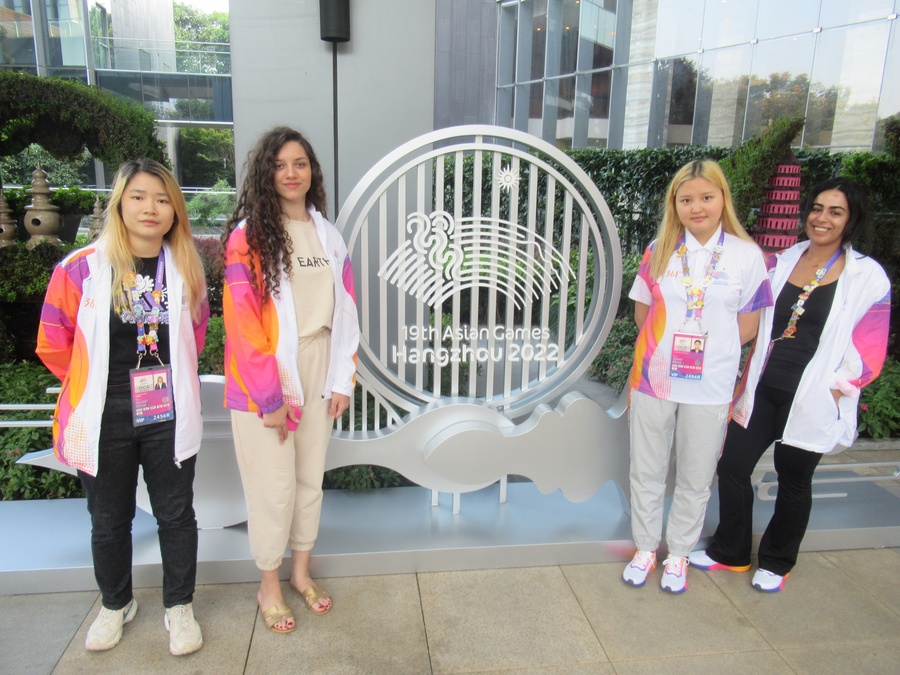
(697, 292)
(148, 322)
(791, 330)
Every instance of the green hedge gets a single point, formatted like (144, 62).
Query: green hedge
(65, 117)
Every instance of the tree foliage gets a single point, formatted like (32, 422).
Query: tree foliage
(195, 26)
(207, 157)
(750, 166)
(65, 118)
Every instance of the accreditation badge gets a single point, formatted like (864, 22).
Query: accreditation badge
(688, 350)
(151, 395)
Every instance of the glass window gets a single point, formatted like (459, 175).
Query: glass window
(678, 27)
(16, 33)
(842, 12)
(779, 81)
(560, 111)
(722, 97)
(562, 38)
(728, 23)
(598, 116)
(538, 39)
(65, 33)
(506, 51)
(597, 29)
(778, 18)
(846, 79)
(890, 92)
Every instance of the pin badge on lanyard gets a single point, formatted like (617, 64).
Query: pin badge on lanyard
(797, 309)
(151, 386)
(689, 347)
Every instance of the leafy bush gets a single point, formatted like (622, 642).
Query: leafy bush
(362, 477)
(65, 117)
(613, 364)
(753, 162)
(26, 383)
(76, 200)
(212, 358)
(208, 211)
(213, 257)
(879, 413)
(26, 273)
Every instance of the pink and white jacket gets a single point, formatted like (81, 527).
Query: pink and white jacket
(850, 355)
(261, 338)
(73, 342)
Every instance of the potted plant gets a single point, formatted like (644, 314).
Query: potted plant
(74, 203)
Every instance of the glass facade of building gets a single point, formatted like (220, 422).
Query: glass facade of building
(652, 73)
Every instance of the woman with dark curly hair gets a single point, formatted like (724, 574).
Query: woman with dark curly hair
(291, 335)
(824, 340)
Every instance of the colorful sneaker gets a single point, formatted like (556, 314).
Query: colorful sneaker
(184, 631)
(674, 578)
(768, 582)
(639, 568)
(702, 561)
(106, 631)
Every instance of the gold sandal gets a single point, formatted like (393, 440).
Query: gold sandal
(312, 594)
(276, 614)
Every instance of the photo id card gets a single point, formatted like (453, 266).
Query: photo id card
(688, 350)
(151, 395)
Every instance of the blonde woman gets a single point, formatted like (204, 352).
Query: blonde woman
(119, 314)
(704, 280)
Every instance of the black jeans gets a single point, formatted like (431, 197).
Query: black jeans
(111, 502)
(780, 543)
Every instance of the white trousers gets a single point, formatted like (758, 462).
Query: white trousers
(283, 483)
(699, 433)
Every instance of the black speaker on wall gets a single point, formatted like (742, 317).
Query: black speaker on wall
(334, 20)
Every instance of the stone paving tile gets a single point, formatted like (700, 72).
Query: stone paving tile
(840, 659)
(820, 605)
(29, 646)
(877, 570)
(758, 663)
(637, 623)
(375, 627)
(225, 613)
(517, 620)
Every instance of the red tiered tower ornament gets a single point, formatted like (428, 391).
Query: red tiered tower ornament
(777, 222)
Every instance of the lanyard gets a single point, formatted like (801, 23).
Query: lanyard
(696, 292)
(147, 318)
(791, 329)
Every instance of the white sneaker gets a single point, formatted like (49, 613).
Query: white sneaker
(184, 631)
(640, 566)
(701, 560)
(768, 582)
(674, 578)
(106, 631)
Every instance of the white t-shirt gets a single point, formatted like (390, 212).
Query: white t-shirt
(739, 285)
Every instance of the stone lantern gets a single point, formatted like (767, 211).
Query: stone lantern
(96, 221)
(7, 223)
(42, 219)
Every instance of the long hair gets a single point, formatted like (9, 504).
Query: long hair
(857, 204)
(115, 236)
(671, 229)
(258, 203)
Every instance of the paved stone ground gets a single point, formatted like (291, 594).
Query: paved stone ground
(839, 613)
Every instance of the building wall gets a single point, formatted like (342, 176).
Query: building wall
(465, 68)
(143, 19)
(282, 74)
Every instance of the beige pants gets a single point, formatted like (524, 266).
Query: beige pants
(699, 433)
(283, 483)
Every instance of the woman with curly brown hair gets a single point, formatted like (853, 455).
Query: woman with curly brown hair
(291, 335)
